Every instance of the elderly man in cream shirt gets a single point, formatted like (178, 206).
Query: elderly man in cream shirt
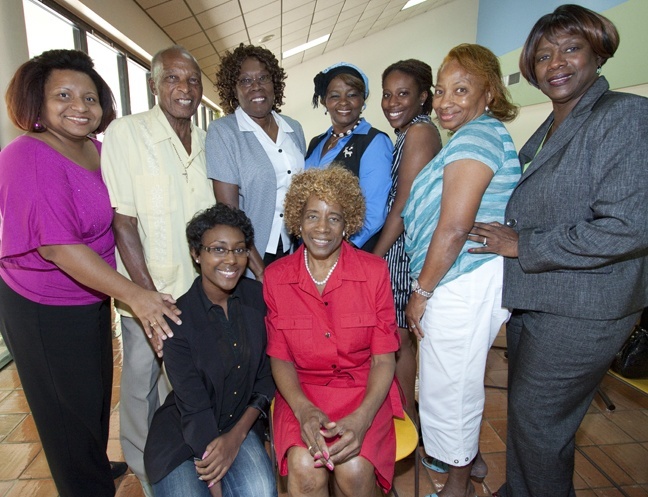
(154, 166)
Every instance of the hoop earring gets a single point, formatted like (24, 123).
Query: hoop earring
(487, 109)
(598, 70)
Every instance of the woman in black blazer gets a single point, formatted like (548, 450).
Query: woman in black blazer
(208, 434)
(575, 246)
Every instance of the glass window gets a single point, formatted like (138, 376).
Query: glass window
(105, 60)
(46, 29)
(138, 87)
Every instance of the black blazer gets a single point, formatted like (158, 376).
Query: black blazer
(188, 421)
(581, 212)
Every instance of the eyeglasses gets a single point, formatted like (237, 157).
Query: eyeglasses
(263, 80)
(222, 252)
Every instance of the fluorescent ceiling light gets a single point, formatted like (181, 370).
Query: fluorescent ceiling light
(412, 3)
(306, 46)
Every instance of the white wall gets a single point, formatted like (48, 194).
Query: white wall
(436, 32)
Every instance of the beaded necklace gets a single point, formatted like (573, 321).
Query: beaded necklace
(317, 282)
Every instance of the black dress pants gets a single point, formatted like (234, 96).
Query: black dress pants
(63, 355)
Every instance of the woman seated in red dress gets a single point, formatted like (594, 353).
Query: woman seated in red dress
(332, 336)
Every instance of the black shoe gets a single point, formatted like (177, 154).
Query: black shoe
(117, 469)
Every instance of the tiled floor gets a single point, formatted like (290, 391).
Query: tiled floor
(610, 443)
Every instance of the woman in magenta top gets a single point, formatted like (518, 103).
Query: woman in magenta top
(331, 340)
(57, 265)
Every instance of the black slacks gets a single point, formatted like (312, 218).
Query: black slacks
(63, 355)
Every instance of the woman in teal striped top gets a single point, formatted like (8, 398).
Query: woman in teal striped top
(455, 307)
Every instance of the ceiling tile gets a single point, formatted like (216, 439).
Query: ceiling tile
(272, 27)
(352, 4)
(225, 29)
(218, 15)
(311, 53)
(198, 6)
(210, 71)
(333, 11)
(325, 25)
(313, 35)
(364, 26)
(337, 43)
(231, 41)
(273, 46)
(356, 11)
(377, 3)
(251, 5)
(329, 5)
(261, 14)
(288, 5)
(293, 61)
(194, 41)
(298, 13)
(202, 52)
(379, 26)
(169, 12)
(348, 23)
(182, 29)
(210, 60)
(372, 13)
(389, 13)
(304, 22)
(147, 4)
(296, 37)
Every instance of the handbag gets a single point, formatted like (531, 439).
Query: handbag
(632, 360)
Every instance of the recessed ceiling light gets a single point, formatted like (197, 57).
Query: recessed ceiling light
(266, 38)
(306, 46)
(412, 3)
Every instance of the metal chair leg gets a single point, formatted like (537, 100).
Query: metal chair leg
(608, 402)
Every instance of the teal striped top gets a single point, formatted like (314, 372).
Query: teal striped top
(486, 140)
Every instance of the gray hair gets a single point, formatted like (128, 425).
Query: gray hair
(156, 62)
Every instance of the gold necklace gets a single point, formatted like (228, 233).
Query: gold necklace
(185, 173)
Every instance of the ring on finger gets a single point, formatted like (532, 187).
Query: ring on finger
(154, 323)
(310, 448)
(485, 242)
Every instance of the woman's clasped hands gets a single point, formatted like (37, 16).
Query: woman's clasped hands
(345, 436)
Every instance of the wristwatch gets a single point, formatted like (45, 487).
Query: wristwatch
(417, 288)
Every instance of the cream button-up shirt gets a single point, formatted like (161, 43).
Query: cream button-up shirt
(151, 177)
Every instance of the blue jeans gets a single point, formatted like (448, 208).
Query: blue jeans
(250, 475)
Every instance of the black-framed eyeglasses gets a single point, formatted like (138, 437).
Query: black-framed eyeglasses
(221, 252)
(263, 80)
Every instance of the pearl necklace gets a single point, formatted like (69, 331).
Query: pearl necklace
(347, 132)
(323, 282)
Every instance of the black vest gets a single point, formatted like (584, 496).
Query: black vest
(349, 157)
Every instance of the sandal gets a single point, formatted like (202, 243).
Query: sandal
(440, 467)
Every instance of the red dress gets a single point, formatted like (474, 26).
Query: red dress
(330, 339)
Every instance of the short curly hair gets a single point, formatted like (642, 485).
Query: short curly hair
(483, 64)
(230, 69)
(218, 214)
(598, 30)
(422, 75)
(26, 90)
(333, 185)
